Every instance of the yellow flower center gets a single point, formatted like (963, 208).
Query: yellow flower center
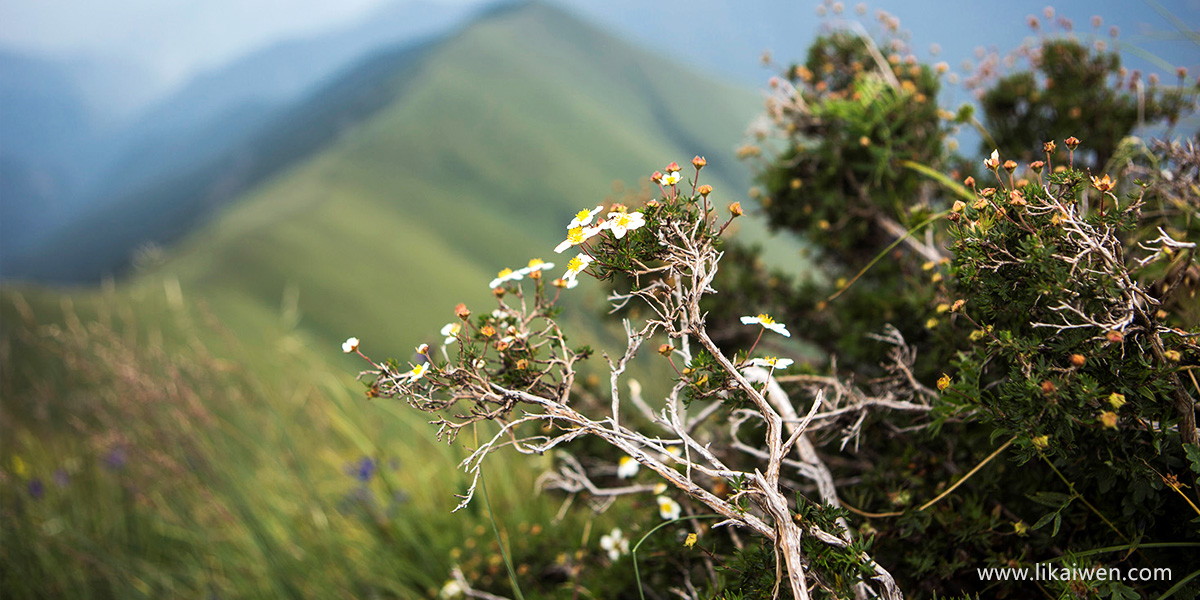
(770, 360)
(417, 371)
(505, 273)
(766, 319)
(623, 219)
(575, 236)
(583, 214)
(536, 262)
(575, 265)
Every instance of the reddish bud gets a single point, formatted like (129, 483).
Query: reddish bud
(462, 311)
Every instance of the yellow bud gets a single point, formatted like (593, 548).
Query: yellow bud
(1116, 400)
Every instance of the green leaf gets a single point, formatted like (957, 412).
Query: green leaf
(1043, 521)
(1193, 456)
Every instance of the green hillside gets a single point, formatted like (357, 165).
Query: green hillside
(216, 373)
(502, 134)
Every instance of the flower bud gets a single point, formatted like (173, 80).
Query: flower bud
(673, 167)
(1078, 360)
(666, 349)
(1072, 143)
(1010, 165)
(1037, 166)
(656, 177)
(1040, 442)
(1108, 419)
(735, 209)
(1049, 147)
(462, 311)
(699, 162)
(969, 182)
(704, 190)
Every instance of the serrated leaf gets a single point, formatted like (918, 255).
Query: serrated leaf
(1193, 455)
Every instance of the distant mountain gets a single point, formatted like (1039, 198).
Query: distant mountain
(220, 107)
(44, 121)
(406, 184)
(71, 145)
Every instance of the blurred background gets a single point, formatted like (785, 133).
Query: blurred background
(200, 200)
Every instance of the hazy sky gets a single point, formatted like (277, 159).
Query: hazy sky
(174, 38)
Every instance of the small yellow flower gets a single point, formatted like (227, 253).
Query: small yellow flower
(660, 488)
(1108, 419)
(1040, 442)
(1173, 355)
(1103, 184)
(943, 308)
(1021, 528)
(931, 323)
(690, 541)
(958, 304)
(943, 382)
(19, 467)
(1116, 400)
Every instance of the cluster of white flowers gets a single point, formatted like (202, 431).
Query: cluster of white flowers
(615, 544)
(767, 323)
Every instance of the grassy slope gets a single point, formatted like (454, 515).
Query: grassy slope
(507, 130)
(475, 165)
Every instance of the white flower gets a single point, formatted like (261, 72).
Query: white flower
(772, 363)
(622, 222)
(479, 363)
(536, 264)
(627, 467)
(350, 345)
(671, 178)
(423, 349)
(451, 590)
(576, 266)
(767, 322)
(660, 488)
(451, 332)
(674, 451)
(993, 163)
(506, 276)
(615, 543)
(668, 509)
(417, 372)
(584, 217)
(579, 235)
